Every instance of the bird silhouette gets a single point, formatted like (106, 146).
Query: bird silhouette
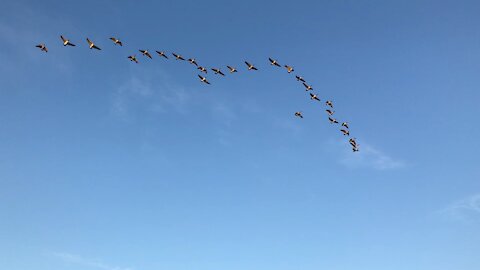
(345, 132)
(203, 79)
(307, 87)
(91, 45)
(289, 68)
(202, 69)
(218, 71)
(345, 124)
(329, 103)
(42, 47)
(232, 69)
(193, 62)
(274, 62)
(333, 120)
(66, 42)
(299, 78)
(250, 66)
(314, 97)
(116, 41)
(178, 57)
(146, 53)
(162, 54)
(330, 112)
(299, 114)
(133, 58)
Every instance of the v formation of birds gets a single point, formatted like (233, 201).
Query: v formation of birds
(345, 129)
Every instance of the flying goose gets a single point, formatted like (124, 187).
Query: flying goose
(314, 97)
(289, 68)
(203, 79)
(333, 120)
(133, 58)
(299, 114)
(116, 41)
(91, 45)
(345, 124)
(162, 54)
(307, 87)
(345, 132)
(299, 78)
(192, 61)
(250, 66)
(232, 69)
(66, 41)
(178, 57)
(274, 62)
(202, 69)
(330, 112)
(146, 53)
(42, 47)
(329, 103)
(353, 142)
(217, 71)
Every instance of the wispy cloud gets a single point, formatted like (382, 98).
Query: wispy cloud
(464, 209)
(76, 259)
(150, 91)
(370, 157)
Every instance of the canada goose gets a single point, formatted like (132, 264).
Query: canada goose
(274, 62)
(232, 69)
(178, 57)
(42, 47)
(162, 54)
(330, 112)
(345, 124)
(116, 41)
(91, 45)
(355, 149)
(217, 71)
(203, 79)
(66, 41)
(133, 58)
(146, 53)
(307, 87)
(333, 120)
(353, 142)
(314, 97)
(289, 68)
(299, 78)
(299, 114)
(192, 61)
(202, 69)
(329, 103)
(345, 132)
(250, 66)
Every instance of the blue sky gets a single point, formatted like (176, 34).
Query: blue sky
(105, 164)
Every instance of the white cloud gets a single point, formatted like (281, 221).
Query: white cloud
(463, 209)
(370, 157)
(76, 259)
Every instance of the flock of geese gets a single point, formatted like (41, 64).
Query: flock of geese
(344, 129)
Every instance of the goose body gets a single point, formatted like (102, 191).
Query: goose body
(345, 132)
(250, 66)
(232, 69)
(193, 62)
(162, 54)
(332, 120)
(289, 68)
(92, 45)
(307, 87)
(178, 57)
(146, 53)
(330, 112)
(273, 62)
(133, 58)
(66, 42)
(329, 103)
(299, 114)
(42, 47)
(218, 71)
(314, 97)
(202, 69)
(345, 124)
(116, 41)
(203, 79)
(299, 78)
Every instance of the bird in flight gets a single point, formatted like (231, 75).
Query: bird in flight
(91, 45)
(333, 120)
(202, 69)
(162, 54)
(299, 78)
(178, 57)
(232, 69)
(274, 62)
(192, 61)
(203, 79)
(299, 114)
(307, 87)
(355, 148)
(345, 124)
(329, 103)
(133, 58)
(353, 142)
(116, 41)
(314, 97)
(218, 71)
(250, 66)
(330, 112)
(345, 132)
(146, 53)
(66, 42)
(42, 47)
(289, 68)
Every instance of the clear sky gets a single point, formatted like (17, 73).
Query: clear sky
(107, 164)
